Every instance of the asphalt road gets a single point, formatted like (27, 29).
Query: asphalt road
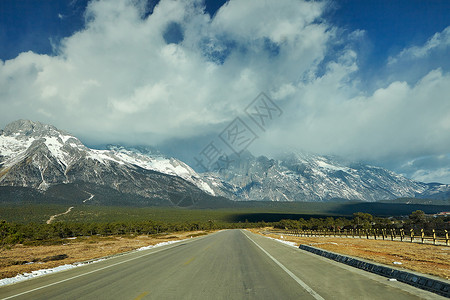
(232, 264)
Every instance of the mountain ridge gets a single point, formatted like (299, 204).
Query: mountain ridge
(40, 156)
(310, 177)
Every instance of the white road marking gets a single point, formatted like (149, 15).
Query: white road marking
(90, 272)
(298, 280)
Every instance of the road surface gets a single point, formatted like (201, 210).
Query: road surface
(231, 264)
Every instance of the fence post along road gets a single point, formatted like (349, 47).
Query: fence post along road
(229, 264)
(436, 237)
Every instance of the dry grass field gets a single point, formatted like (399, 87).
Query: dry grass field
(423, 258)
(21, 259)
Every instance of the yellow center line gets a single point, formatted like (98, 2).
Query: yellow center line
(189, 261)
(141, 296)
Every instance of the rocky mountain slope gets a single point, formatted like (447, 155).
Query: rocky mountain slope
(40, 156)
(308, 177)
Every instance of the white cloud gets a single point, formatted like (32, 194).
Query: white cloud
(439, 41)
(441, 175)
(430, 168)
(117, 80)
(282, 22)
(118, 73)
(330, 116)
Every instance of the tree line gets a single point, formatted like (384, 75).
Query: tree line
(41, 234)
(417, 220)
(34, 233)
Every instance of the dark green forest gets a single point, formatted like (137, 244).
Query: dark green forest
(44, 234)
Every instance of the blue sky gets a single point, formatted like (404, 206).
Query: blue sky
(29, 25)
(391, 25)
(366, 80)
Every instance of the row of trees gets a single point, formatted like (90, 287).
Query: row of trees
(417, 220)
(31, 233)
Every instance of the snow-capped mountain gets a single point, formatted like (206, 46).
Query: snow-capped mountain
(309, 177)
(159, 163)
(38, 155)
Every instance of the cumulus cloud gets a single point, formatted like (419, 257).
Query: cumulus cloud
(398, 121)
(179, 73)
(393, 121)
(120, 74)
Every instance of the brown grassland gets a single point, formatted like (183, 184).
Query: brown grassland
(13, 260)
(422, 258)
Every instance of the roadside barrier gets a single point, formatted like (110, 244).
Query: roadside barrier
(380, 234)
(422, 282)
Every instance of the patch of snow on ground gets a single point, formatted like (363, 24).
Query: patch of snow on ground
(26, 276)
(332, 243)
(159, 245)
(292, 244)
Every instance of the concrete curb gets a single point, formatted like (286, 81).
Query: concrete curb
(436, 286)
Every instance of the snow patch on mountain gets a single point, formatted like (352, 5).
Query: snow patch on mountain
(328, 166)
(169, 166)
(38, 155)
(11, 146)
(20, 138)
(309, 177)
